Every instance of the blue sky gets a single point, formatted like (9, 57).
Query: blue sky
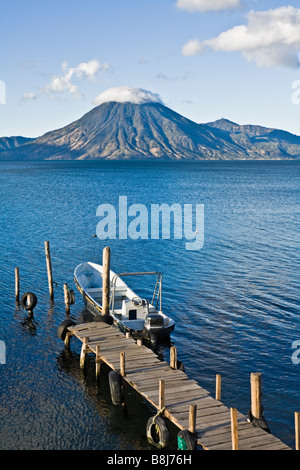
(58, 56)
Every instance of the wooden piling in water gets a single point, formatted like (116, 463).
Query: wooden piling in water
(66, 298)
(98, 361)
(67, 339)
(84, 350)
(49, 270)
(256, 394)
(17, 284)
(173, 357)
(105, 281)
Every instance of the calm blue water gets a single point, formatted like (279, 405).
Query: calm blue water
(235, 302)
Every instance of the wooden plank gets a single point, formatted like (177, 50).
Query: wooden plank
(209, 413)
(222, 438)
(178, 390)
(167, 377)
(131, 355)
(171, 385)
(204, 406)
(226, 429)
(166, 370)
(188, 395)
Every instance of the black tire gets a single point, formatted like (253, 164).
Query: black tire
(157, 432)
(186, 440)
(28, 301)
(63, 328)
(116, 388)
(71, 297)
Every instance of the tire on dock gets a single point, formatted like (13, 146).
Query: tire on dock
(28, 301)
(186, 440)
(116, 387)
(71, 297)
(157, 432)
(63, 328)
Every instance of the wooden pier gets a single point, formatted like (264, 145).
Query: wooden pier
(176, 397)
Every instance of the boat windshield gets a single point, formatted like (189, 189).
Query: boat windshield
(157, 293)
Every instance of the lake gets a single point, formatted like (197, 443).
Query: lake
(235, 301)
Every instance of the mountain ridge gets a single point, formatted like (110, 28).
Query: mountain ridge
(8, 143)
(116, 130)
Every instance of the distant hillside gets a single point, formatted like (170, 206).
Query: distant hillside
(153, 131)
(7, 143)
(264, 141)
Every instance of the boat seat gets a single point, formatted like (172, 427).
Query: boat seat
(120, 291)
(94, 290)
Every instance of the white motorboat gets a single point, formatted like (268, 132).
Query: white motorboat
(131, 313)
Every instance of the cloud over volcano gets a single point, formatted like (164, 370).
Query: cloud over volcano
(124, 94)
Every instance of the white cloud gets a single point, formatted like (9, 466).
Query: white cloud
(193, 47)
(208, 5)
(125, 94)
(29, 96)
(270, 38)
(61, 83)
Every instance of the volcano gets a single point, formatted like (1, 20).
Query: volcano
(125, 130)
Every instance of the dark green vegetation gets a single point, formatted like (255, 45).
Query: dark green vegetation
(152, 131)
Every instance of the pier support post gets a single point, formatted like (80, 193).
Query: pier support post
(66, 298)
(256, 395)
(17, 285)
(84, 350)
(161, 400)
(256, 412)
(68, 339)
(218, 387)
(192, 418)
(49, 270)
(297, 431)
(173, 357)
(98, 361)
(234, 429)
(105, 281)
(122, 364)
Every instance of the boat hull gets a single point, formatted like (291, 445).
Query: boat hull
(94, 307)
